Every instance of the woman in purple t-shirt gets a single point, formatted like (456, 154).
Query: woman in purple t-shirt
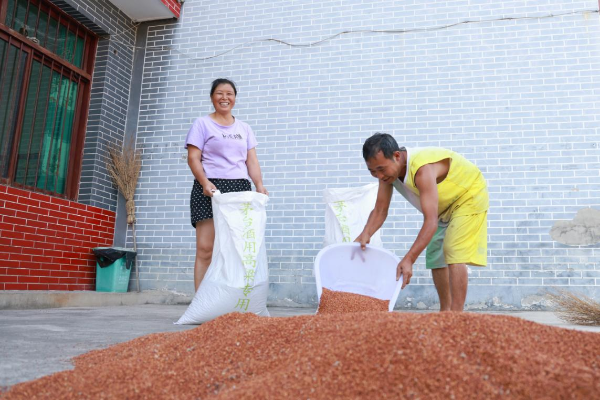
(221, 155)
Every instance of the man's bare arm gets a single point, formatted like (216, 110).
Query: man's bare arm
(425, 180)
(378, 215)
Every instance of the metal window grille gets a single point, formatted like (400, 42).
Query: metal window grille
(46, 61)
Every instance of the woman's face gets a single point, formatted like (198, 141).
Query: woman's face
(223, 98)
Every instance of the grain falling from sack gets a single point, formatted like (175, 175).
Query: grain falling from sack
(336, 302)
(365, 355)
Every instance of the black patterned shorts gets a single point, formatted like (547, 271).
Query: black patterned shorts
(201, 206)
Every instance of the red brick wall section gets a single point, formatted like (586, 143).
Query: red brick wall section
(174, 6)
(46, 242)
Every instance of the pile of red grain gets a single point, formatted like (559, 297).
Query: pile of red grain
(336, 302)
(366, 355)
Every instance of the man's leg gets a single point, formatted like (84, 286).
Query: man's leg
(459, 279)
(465, 243)
(441, 280)
(435, 261)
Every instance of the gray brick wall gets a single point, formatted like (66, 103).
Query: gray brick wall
(109, 94)
(517, 97)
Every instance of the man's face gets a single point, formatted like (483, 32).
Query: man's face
(384, 169)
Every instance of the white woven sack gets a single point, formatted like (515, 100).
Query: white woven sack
(371, 272)
(238, 278)
(347, 212)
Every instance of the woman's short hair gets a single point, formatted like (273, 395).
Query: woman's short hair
(221, 81)
(380, 142)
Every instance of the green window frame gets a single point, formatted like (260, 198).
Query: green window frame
(46, 64)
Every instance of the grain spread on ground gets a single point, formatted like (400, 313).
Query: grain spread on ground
(336, 302)
(356, 355)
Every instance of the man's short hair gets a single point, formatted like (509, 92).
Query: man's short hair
(380, 142)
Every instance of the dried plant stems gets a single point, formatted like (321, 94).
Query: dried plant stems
(124, 168)
(579, 310)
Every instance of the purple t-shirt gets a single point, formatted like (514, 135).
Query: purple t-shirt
(224, 148)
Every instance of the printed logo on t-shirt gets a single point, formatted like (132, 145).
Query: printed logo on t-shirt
(235, 136)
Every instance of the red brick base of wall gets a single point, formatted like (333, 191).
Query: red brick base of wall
(46, 242)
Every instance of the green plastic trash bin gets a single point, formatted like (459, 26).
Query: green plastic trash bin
(113, 267)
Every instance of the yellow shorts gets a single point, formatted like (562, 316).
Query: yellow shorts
(462, 241)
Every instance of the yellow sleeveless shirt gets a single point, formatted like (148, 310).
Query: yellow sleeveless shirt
(462, 192)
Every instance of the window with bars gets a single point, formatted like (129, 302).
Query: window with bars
(46, 61)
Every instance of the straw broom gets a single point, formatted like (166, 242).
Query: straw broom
(124, 168)
(576, 310)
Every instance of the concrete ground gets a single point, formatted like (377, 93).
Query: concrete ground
(38, 342)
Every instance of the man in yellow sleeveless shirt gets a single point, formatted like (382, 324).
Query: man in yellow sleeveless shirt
(451, 193)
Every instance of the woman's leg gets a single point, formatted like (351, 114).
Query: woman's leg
(205, 239)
